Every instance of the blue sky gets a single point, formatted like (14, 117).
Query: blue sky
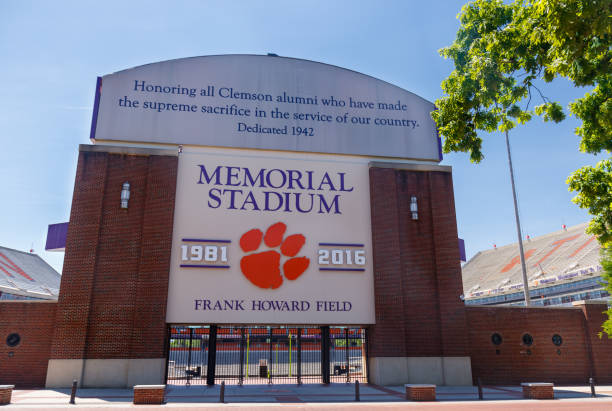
(52, 53)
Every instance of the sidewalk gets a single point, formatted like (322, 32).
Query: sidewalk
(313, 395)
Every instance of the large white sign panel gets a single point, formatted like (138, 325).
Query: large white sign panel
(271, 238)
(264, 102)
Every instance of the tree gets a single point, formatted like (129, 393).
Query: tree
(594, 187)
(503, 53)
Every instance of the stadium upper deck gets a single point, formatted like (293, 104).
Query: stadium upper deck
(561, 267)
(26, 276)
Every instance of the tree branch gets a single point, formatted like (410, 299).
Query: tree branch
(528, 101)
(546, 100)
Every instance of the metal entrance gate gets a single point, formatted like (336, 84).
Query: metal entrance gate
(265, 355)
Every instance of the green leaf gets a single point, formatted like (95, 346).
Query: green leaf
(502, 51)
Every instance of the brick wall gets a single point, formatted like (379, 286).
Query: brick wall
(114, 285)
(513, 362)
(600, 347)
(417, 274)
(417, 282)
(25, 365)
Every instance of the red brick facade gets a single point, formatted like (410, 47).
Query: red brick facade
(417, 274)
(25, 365)
(513, 362)
(112, 303)
(598, 347)
(417, 280)
(115, 279)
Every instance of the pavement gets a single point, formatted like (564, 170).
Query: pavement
(336, 396)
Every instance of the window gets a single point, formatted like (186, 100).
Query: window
(13, 340)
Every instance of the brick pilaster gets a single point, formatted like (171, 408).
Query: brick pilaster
(112, 301)
(80, 258)
(417, 273)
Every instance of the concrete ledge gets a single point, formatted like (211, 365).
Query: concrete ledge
(420, 392)
(411, 166)
(589, 302)
(6, 391)
(28, 301)
(133, 151)
(106, 373)
(454, 371)
(538, 390)
(142, 371)
(149, 394)
(150, 387)
(61, 373)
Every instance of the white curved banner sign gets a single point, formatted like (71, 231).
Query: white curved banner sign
(264, 102)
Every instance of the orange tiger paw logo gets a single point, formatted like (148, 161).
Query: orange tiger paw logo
(263, 269)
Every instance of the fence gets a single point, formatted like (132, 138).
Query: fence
(265, 355)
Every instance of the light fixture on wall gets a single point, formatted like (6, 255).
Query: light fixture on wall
(414, 209)
(125, 195)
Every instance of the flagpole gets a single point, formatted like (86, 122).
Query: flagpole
(518, 227)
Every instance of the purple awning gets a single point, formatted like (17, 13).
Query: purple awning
(56, 237)
(462, 249)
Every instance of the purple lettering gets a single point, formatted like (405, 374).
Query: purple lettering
(342, 183)
(232, 176)
(208, 178)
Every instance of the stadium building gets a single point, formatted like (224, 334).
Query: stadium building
(562, 267)
(26, 276)
(259, 219)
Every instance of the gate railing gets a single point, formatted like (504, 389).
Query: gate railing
(265, 355)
